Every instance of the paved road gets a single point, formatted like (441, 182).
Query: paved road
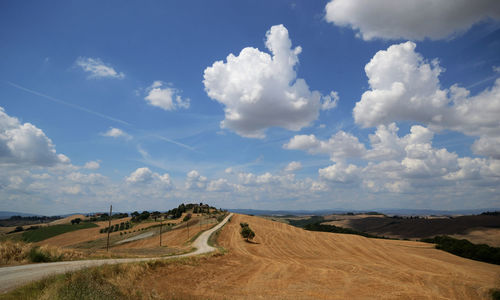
(12, 277)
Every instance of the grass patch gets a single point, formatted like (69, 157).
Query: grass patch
(46, 232)
(464, 248)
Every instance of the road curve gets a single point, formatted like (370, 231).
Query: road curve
(12, 277)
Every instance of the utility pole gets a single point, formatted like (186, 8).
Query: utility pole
(109, 225)
(161, 224)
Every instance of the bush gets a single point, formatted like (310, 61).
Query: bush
(187, 217)
(243, 224)
(246, 232)
(36, 255)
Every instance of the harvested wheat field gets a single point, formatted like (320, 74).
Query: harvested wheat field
(286, 262)
(489, 236)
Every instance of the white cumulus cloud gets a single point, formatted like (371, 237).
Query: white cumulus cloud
(406, 87)
(92, 165)
(340, 172)
(97, 68)
(26, 144)
(259, 90)
(410, 19)
(116, 133)
(145, 176)
(195, 181)
(165, 97)
(340, 145)
(293, 166)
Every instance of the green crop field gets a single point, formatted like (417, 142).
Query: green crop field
(44, 233)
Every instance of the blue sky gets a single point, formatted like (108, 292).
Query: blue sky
(265, 105)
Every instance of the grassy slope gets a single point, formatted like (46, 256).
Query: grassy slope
(44, 233)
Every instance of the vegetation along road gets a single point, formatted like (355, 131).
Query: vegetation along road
(11, 277)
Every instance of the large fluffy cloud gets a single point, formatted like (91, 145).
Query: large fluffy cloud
(410, 19)
(259, 90)
(406, 87)
(26, 144)
(403, 86)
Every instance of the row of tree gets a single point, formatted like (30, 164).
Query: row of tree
(116, 227)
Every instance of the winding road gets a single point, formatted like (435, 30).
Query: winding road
(12, 277)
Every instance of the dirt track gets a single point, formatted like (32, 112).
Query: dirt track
(290, 263)
(11, 277)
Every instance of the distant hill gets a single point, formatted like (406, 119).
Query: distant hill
(388, 211)
(8, 214)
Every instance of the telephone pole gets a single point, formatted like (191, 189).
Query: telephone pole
(109, 225)
(161, 224)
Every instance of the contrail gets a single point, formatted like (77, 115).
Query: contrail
(172, 141)
(78, 107)
(68, 104)
(482, 81)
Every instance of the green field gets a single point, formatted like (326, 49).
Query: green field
(46, 232)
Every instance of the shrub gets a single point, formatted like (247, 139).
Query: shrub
(243, 225)
(247, 233)
(37, 255)
(187, 217)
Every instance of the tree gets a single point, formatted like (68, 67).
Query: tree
(247, 233)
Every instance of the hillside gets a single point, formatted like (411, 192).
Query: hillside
(289, 262)
(413, 228)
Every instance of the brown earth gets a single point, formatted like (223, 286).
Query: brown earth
(286, 262)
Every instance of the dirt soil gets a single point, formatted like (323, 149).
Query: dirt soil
(286, 262)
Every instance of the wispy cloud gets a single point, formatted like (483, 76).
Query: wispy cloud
(97, 68)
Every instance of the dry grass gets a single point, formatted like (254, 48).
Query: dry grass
(15, 253)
